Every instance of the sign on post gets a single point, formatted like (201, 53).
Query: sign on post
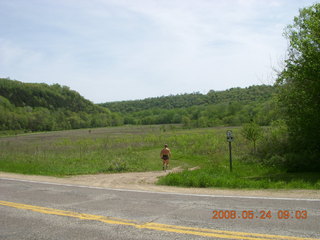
(230, 139)
(229, 136)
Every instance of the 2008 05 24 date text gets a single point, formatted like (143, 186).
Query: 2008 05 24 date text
(263, 214)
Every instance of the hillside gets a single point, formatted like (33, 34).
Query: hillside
(42, 107)
(42, 95)
(234, 106)
(244, 95)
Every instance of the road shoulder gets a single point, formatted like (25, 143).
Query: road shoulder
(145, 181)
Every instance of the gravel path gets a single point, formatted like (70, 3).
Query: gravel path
(145, 181)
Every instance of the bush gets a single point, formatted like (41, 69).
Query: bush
(252, 132)
(274, 145)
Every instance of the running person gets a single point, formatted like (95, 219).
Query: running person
(165, 154)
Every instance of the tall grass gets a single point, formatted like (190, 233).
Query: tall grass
(119, 149)
(137, 148)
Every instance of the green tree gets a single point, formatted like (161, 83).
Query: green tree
(186, 121)
(299, 86)
(252, 132)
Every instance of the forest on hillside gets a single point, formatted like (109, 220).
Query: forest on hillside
(231, 107)
(243, 95)
(42, 107)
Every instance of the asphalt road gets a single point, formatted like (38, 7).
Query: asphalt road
(30, 210)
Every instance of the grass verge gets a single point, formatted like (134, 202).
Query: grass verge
(137, 148)
(244, 176)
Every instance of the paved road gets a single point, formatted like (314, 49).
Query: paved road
(30, 210)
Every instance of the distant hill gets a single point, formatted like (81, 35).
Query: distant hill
(243, 95)
(42, 107)
(234, 106)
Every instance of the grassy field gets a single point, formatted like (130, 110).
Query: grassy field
(136, 148)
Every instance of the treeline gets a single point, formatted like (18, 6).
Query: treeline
(299, 88)
(231, 107)
(292, 141)
(31, 107)
(42, 107)
(244, 95)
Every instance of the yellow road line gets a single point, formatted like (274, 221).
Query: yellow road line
(205, 232)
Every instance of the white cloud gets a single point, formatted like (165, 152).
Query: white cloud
(122, 49)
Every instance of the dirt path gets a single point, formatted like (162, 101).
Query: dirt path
(145, 181)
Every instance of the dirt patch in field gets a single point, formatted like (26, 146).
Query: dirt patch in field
(145, 181)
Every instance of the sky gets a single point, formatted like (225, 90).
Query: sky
(114, 50)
